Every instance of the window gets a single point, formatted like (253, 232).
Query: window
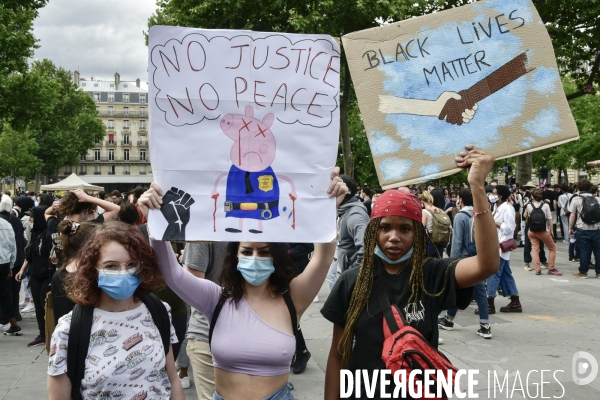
(97, 170)
(142, 140)
(82, 158)
(112, 85)
(111, 110)
(142, 111)
(111, 169)
(97, 155)
(125, 124)
(142, 98)
(111, 155)
(126, 170)
(125, 97)
(82, 170)
(142, 155)
(111, 97)
(126, 154)
(125, 139)
(111, 124)
(142, 170)
(95, 85)
(125, 110)
(111, 138)
(97, 97)
(83, 84)
(68, 170)
(125, 85)
(142, 124)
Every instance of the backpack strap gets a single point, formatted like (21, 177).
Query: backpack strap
(160, 316)
(215, 316)
(292, 309)
(384, 302)
(78, 345)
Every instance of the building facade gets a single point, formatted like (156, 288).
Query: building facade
(122, 160)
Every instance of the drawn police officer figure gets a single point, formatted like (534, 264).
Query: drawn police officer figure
(252, 185)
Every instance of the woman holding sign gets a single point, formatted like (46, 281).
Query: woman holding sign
(396, 264)
(254, 315)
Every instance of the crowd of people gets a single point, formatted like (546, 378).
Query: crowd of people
(126, 316)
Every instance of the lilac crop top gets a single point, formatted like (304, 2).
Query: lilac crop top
(242, 342)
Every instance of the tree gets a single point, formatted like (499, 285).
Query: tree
(62, 119)
(17, 152)
(16, 34)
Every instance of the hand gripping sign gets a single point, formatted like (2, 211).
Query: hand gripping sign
(482, 74)
(244, 132)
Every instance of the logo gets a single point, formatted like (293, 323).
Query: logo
(584, 363)
(265, 183)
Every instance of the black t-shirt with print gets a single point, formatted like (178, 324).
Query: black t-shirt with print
(368, 331)
(551, 196)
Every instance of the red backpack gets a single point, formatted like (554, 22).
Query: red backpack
(405, 348)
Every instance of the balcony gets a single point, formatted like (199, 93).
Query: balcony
(142, 172)
(111, 172)
(117, 160)
(126, 143)
(110, 143)
(126, 172)
(82, 173)
(142, 143)
(97, 172)
(135, 114)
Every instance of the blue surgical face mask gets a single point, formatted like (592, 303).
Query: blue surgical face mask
(380, 254)
(119, 286)
(255, 270)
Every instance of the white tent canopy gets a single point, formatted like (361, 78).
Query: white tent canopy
(72, 182)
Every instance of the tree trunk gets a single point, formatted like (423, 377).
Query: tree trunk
(36, 186)
(344, 132)
(524, 166)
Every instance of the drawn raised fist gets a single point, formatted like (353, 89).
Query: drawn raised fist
(176, 210)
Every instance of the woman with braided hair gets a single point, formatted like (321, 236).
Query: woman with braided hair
(396, 252)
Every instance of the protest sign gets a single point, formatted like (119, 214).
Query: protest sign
(244, 134)
(483, 74)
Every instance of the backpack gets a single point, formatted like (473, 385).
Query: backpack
(590, 213)
(471, 249)
(566, 209)
(81, 329)
(537, 219)
(405, 348)
(440, 231)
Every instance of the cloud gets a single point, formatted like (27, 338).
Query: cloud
(546, 123)
(394, 169)
(382, 144)
(98, 37)
(430, 170)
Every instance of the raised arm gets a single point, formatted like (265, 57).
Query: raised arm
(201, 294)
(472, 270)
(110, 210)
(305, 286)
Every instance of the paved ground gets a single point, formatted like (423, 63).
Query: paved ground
(560, 318)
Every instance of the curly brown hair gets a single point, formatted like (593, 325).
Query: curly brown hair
(82, 287)
(72, 237)
(233, 281)
(70, 204)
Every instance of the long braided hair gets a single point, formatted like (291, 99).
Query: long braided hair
(364, 281)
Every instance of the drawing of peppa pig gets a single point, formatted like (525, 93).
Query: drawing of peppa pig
(252, 185)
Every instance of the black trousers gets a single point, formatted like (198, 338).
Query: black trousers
(527, 250)
(180, 326)
(16, 289)
(39, 288)
(6, 297)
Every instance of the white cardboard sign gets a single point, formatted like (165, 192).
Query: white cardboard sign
(244, 134)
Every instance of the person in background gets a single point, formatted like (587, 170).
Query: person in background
(551, 198)
(115, 197)
(433, 250)
(587, 235)
(8, 255)
(544, 236)
(367, 197)
(14, 286)
(133, 199)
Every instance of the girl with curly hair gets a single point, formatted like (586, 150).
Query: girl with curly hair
(126, 357)
(421, 287)
(253, 342)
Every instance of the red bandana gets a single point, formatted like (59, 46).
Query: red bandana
(397, 203)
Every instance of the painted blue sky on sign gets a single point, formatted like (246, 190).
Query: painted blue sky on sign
(437, 138)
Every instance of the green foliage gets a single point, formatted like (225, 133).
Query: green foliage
(17, 152)
(16, 34)
(62, 119)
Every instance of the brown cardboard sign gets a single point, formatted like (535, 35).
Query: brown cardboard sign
(483, 74)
